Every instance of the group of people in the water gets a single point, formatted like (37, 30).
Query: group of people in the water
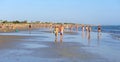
(59, 29)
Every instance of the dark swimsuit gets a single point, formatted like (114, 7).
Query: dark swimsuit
(29, 26)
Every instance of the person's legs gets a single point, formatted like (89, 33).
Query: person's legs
(61, 36)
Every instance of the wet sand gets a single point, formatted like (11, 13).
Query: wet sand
(37, 47)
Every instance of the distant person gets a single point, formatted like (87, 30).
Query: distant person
(98, 38)
(30, 27)
(86, 28)
(82, 34)
(71, 26)
(67, 27)
(50, 27)
(89, 38)
(99, 28)
(76, 27)
(83, 28)
(99, 34)
(89, 29)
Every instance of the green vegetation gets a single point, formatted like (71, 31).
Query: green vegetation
(5, 21)
(25, 21)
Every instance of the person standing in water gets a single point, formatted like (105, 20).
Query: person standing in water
(76, 27)
(56, 30)
(99, 34)
(71, 26)
(99, 28)
(89, 29)
(50, 27)
(61, 29)
(30, 27)
(82, 27)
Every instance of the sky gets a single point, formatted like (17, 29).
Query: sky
(105, 12)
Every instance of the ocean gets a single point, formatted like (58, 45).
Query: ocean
(108, 29)
(114, 31)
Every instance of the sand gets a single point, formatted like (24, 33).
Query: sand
(37, 47)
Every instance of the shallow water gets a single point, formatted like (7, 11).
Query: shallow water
(33, 45)
(75, 47)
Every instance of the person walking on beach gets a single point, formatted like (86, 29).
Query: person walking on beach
(50, 27)
(76, 27)
(89, 29)
(61, 29)
(56, 30)
(99, 28)
(82, 27)
(30, 27)
(71, 26)
(86, 28)
(99, 34)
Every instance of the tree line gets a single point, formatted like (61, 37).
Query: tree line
(16, 21)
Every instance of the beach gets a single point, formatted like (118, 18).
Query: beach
(60, 31)
(41, 46)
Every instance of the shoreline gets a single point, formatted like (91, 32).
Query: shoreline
(15, 27)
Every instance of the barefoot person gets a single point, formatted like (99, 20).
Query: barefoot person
(56, 30)
(61, 29)
(99, 28)
(50, 27)
(82, 27)
(76, 27)
(71, 26)
(99, 33)
(30, 28)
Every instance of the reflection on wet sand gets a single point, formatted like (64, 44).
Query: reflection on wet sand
(29, 31)
(61, 40)
(88, 37)
(98, 38)
(82, 34)
(56, 40)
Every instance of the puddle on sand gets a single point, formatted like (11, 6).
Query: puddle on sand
(29, 45)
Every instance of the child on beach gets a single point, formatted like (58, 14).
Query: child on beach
(56, 30)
